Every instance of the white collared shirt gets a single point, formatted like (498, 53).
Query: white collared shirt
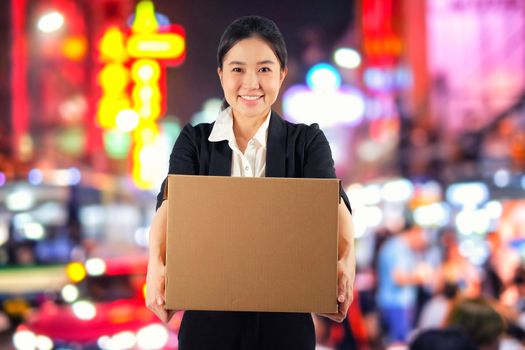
(253, 162)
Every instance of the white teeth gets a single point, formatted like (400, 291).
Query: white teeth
(251, 98)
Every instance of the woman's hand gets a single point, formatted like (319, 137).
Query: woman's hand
(345, 265)
(155, 282)
(345, 293)
(155, 286)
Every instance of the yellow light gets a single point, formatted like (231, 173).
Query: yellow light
(149, 112)
(146, 139)
(75, 48)
(108, 109)
(112, 46)
(159, 46)
(76, 272)
(16, 306)
(113, 78)
(137, 172)
(145, 21)
(145, 71)
(146, 134)
(25, 147)
(144, 289)
(146, 95)
(147, 108)
(139, 177)
(147, 158)
(127, 120)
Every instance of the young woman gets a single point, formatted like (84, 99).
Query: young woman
(249, 139)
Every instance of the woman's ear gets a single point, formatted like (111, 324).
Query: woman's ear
(219, 73)
(283, 74)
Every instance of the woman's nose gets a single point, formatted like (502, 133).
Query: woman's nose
(251, 81)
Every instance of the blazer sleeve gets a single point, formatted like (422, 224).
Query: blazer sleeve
(318, 161)
(184, 158)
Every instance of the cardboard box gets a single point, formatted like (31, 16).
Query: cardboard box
(252, 244)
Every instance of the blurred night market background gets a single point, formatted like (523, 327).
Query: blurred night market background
(423, 102)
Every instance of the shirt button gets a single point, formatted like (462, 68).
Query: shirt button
(246, 168)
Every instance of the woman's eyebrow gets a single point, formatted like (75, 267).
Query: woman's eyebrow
(239, 63)
(266, 62)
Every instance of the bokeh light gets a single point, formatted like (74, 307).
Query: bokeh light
(323, 77)
(50, 22)
(347, 58)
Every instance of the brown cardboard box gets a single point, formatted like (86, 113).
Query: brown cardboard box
(252, 244)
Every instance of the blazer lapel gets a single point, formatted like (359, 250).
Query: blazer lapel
(220, 159)
(276, 147)
(221, 154)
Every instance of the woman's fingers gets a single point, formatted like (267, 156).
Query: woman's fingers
(344, 296)
(160, 313)
(163, 314)
(155, 292)
(342, 288)
(337, 317)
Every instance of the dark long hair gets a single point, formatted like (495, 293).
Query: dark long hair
(247, 27)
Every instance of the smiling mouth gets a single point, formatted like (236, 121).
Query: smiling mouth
(251, 97)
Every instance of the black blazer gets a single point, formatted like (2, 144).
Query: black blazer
(292, 150)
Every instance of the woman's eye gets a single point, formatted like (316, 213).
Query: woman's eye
(264, 69)
(236, 70)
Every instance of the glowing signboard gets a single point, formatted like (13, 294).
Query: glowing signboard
(132, 85)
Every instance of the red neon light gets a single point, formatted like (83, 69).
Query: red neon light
(377, 17)
(382, 43)
(20, 109)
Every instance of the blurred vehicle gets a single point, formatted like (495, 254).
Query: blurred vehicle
(25, 287)
(103, 308)
(54, 222)
(56, 216)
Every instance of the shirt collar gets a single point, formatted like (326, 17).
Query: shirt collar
(223, 128)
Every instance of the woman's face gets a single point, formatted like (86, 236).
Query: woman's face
(251, 77)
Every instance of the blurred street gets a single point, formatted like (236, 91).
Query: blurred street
(421, 101)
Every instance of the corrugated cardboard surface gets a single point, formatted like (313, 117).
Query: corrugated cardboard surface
(252, 244)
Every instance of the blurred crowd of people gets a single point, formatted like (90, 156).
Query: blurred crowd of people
(424, 294)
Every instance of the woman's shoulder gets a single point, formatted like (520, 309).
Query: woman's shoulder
(201, 127)
(197, 131)
(309, 132)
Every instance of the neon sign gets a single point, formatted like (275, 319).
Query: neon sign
(132, 85)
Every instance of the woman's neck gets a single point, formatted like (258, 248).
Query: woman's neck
(244, 127)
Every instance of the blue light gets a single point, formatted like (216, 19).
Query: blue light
(162, 20)
(74, 176)
(2, 179)
(323, 76)
(377, 79)
(403, 78)
(35, 177)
